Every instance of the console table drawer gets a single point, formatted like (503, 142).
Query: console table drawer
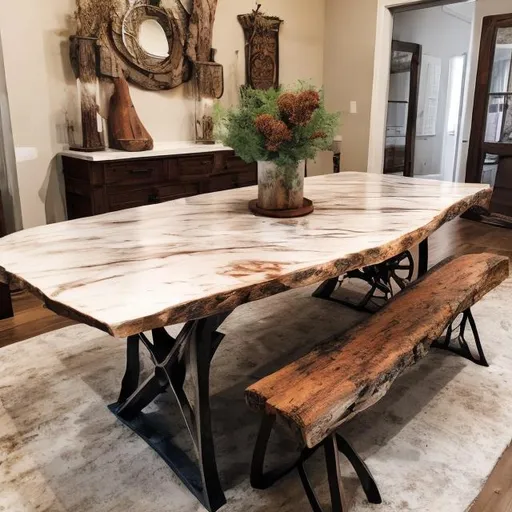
(171, 192)
(132, 198)
(194, 168)
(134, 173)
(248, 178)
(232, 180)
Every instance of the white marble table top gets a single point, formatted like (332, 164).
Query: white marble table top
(133, 270)
(161, 149)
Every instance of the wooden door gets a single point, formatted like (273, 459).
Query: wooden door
(401, 137)
(490, 146)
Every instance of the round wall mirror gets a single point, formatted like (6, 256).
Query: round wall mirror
(153, 39)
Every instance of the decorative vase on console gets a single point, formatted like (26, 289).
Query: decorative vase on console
(279, 129)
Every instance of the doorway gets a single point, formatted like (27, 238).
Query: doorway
(444, 35)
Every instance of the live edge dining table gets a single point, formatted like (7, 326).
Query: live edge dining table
(195, 260)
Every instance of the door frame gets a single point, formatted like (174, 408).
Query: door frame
(9, 187)
(477, 146)
(381, 73)
(458, 142)
(412, 108)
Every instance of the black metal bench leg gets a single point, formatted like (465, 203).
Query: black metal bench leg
(332, 461)
(333, 445)
(366, 478)
(259, 478)
(457, 344)
(310, 493)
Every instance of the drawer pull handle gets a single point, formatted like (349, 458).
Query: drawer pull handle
(141, 171)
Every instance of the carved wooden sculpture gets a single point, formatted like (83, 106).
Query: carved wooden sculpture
(261, 49)
(126, 129)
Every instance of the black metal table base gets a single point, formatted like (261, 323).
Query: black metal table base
(190, 354)
(382, 280)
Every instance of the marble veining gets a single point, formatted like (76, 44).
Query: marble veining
(161, 149)
(129, 271)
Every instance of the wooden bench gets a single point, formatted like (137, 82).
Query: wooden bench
(345, 375)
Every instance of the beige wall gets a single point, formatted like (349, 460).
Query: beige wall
(348, 73)
(42, 89)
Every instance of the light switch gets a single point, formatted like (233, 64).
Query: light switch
(353, 107)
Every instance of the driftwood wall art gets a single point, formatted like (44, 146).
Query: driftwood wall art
(108, 45)
(261, 49)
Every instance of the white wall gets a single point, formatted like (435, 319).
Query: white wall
(443, 36)
(42, 89)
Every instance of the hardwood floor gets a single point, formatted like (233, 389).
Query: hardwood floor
(30, 319)
(458, 237)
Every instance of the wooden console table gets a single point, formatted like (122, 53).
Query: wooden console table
(108, 181)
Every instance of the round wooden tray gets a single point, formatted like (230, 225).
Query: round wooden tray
(282, 214)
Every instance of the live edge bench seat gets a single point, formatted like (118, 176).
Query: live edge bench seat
(347, 374)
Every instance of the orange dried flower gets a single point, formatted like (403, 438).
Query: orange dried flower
(298, 109)
(286, 104)
(310, 98)
(275, 131)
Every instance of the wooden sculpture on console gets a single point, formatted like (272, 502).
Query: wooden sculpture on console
(125, 128)
(261, 49)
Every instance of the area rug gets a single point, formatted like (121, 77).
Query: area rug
(431, 442)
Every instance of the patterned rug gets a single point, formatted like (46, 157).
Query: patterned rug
(431, 442)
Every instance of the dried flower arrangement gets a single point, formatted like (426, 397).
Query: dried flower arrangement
(281, 128)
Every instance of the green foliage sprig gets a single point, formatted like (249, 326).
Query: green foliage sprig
(238, 127)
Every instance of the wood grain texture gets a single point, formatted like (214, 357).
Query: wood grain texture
(200, 30)
(344, 376)
(122, 41)
(134, 270)
(85, 48)
(30, 319)
(496, 496)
